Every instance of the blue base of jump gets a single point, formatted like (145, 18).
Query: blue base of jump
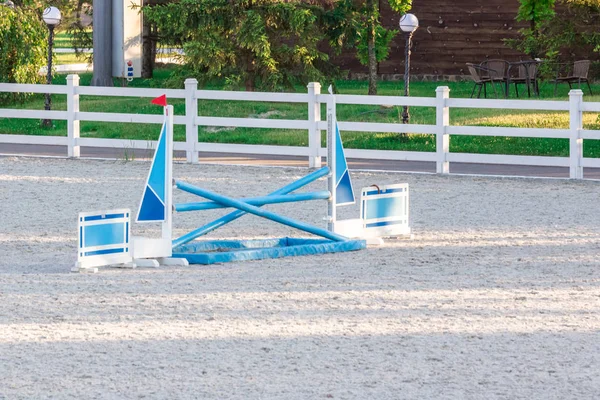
(222, 251)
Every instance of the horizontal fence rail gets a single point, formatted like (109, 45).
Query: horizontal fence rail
(314, 125)
(129, 92)
(544, 105)
(252, 96)
(511, 132)
(32, 88)
(380, 100)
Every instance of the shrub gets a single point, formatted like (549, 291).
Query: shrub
(23, 46)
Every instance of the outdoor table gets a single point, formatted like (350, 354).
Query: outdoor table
(529, 80)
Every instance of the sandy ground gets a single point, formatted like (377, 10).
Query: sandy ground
(497, 296)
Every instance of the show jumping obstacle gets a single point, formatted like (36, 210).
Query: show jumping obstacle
(104, 237)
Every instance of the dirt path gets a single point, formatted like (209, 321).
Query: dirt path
(497, 296)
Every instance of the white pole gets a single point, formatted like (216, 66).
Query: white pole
(167, 225)
(191, 129)
(442, 138)
(72, 122)
(314, 133)
(575, 142)
(331, 123)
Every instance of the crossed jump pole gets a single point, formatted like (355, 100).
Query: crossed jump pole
(337, 182)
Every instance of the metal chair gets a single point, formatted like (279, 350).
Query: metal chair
(527, 75)
(497, 71)
(574, 73)
(481, 81)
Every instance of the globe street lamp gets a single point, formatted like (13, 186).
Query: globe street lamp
(52, 18)
(408, 24)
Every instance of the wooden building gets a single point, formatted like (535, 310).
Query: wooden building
(450, 34)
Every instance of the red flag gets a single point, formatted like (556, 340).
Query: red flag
(161, 100)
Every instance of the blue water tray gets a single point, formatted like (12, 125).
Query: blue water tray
(222, 251)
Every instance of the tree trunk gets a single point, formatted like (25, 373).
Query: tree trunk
(372, 10)
(148, 50)
(250, 77)
(250, 80)
(249, 83)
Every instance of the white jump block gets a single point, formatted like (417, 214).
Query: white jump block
(147, 250)
(173, 262)
(151, 247)
(152, 252)
(103, 239)
(384, 212)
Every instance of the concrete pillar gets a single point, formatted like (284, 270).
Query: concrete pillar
(102, 43)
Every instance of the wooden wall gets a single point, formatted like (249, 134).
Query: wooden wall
(451, 33)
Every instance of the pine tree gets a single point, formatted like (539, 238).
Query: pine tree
(250, 43)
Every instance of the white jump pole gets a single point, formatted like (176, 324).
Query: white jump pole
(167, 225)
(331, 137)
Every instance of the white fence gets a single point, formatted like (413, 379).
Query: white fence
(314, 124)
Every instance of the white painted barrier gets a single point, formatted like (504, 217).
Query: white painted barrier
(104, 238)
(313, 124)
(384, 212)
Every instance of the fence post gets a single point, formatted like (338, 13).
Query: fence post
(442, 120)
(575, 141)
(73, 149)
(191, 129)
(314, 133)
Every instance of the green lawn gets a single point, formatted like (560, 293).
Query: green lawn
(388, 141)
(62, 40)
(69, 58)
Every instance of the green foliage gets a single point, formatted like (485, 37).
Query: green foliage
(23, 46)
(588, 3)
(74, 15)
(352, 20)
(252, 43)
(357, 25)
(401, 6)
(383, 37)
(574, 29)
(535, 11)
(80, 33)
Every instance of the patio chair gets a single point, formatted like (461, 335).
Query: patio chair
(573, 73)
(497, 71)
(527, 74)
(477, 74)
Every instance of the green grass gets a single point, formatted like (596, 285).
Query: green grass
(68, 58)
(359, 113)
(62, 40)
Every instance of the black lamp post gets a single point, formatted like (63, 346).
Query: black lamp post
(408, 24)
(51, 18)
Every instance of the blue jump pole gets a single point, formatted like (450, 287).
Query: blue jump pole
(257, 201)
(211, 226)
(240, 205)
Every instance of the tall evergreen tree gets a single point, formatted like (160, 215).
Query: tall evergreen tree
(251, 43)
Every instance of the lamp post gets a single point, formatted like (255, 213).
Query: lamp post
(408, 24)
(51, 18)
